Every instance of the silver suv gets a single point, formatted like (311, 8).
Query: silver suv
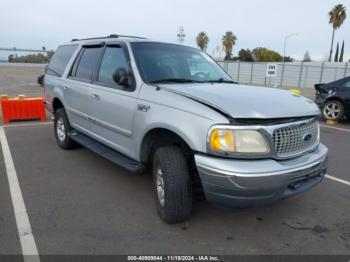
(171, 108)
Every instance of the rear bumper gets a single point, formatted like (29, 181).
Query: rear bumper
(242, 183)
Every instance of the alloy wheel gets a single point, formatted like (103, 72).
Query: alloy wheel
(60, 129)
(160, 185)
(331, 111)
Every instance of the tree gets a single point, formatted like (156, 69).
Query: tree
(341, 58)
(245, 55)
(262, 54)
(288, 59)
(202, 41)
(336, 53)
(337, 17)
(307, 57)
(228, 41)
(49, 54)
(11, 58)
(32, 58)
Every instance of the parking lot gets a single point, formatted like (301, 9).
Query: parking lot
(80, 203)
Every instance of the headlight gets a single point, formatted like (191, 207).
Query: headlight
(223, 140)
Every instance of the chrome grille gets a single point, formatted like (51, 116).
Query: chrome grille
(291, 140)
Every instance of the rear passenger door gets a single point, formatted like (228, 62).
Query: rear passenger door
(78, 89)
(113, 105)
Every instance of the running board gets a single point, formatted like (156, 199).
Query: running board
(107, 152)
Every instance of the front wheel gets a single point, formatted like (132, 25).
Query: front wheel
(333, 110)
(172, 185)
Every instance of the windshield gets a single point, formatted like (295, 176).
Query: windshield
(159, 62)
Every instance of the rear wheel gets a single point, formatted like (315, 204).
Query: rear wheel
(333, 110)
(61, 129)
(172, 185)
(348, 117)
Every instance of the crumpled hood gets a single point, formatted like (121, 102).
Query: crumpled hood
(241, 101)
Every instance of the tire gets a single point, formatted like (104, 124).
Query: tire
(171, 173)
(61, 130)
(347, 115)
(333, 110)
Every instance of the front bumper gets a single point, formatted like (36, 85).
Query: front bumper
(242, 183)
(319, 100)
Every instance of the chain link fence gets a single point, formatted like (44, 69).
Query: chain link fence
(295, 75)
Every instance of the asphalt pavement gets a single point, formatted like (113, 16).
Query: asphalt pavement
(80, 203)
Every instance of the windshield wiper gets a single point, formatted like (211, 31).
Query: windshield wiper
(175, 80)
(221, 80)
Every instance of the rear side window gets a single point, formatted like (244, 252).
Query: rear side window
(114, 58)
(347, 84)
(87, 63)
(60, 60)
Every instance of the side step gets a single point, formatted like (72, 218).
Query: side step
(106, 152)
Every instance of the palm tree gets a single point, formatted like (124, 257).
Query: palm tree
(228, 40)
(336, 17)
(202, 40)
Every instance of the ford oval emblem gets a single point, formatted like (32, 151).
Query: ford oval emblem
(307, 137)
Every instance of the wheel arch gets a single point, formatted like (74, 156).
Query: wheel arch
(56, 104)
(336, 98)
(160, 136)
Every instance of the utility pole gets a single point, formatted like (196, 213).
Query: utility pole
(181, 36)
(284, 55)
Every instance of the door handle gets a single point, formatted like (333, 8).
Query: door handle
(96, 96)
(65, 87)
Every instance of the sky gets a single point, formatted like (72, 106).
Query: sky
(37, 23)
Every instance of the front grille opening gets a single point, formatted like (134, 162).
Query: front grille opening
(295, 139)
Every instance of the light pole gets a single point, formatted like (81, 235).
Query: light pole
(181, 35)
(284, 55)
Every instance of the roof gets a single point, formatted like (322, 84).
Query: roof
(112, 36)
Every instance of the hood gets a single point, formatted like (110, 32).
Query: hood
(242, 101)
(323, 87)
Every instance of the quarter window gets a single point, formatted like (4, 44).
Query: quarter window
(60, 60)
(87, 63)
(114, 58)
(347, 84)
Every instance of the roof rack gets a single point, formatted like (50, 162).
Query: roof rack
(110, 36)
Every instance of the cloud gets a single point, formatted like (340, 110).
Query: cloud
(39, 23)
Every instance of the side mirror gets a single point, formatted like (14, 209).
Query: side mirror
(120, 76)
(41, 80)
